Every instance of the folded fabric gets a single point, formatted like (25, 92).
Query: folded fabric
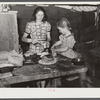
(11, 57)
(16, 58)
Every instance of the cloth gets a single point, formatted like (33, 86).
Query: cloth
(38, 32)
(11, 58)
(68, 41)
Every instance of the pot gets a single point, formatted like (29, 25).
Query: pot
(6, 69)
(78, 61)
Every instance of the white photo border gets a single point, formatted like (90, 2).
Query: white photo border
(45, 93)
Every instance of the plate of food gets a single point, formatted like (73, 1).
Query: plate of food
(42, 54)
(47, 60)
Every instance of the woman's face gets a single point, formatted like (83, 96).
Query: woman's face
(39, 15)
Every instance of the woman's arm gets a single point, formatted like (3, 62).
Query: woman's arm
(26, 33)
(48, 37)
(25, 39)
(48, 29)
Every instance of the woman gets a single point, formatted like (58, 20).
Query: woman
(39, 30)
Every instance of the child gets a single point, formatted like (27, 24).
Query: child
(66, 40)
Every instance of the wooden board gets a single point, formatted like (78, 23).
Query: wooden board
(8, 31)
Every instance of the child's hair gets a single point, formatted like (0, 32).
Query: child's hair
(64, 23)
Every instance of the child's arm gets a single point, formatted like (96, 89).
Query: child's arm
(69, 45)
(62, 49)
(57, 43)
(54, 45)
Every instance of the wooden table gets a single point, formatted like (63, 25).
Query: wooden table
(37, 72)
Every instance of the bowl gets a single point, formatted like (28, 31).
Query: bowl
(6, 69)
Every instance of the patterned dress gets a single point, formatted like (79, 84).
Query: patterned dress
(68, 41)
(38, 32)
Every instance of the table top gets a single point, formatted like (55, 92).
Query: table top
(35, 72)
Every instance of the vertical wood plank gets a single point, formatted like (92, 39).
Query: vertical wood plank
(9, 38)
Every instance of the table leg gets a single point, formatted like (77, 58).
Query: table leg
(55, 82)
(83, 78)
(42, 84)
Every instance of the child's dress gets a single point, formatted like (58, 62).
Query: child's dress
(68, 41)
(38, 32)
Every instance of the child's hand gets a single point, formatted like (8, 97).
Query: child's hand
(54, 53)
(47, 44)
(52, 48)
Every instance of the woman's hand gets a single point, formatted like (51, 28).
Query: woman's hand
(47, 44)
(35, 41)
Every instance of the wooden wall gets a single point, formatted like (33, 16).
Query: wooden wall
(9, 32)
(54, 14)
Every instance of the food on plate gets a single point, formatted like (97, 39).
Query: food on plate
(42, 54)
(47, 58)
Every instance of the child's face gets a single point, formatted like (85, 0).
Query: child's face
(62, 30)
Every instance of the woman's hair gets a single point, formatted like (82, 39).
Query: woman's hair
(64, 23)
(36, 11)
